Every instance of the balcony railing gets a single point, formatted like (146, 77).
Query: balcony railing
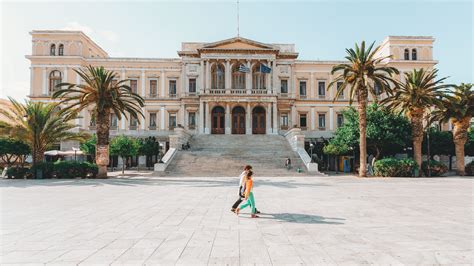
(237, 91)
(152, 127)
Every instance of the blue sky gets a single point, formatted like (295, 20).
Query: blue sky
(320, 29)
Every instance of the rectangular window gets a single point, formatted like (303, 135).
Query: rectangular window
(284, 121)
(322, 121)
(303, 121)
(133, 123)
(172, 88)
(153, 88)
(172, 121)
(284, 86)
(303, 89)
(322, 89)
(152, 120)
(192, 86)
(338, 85)
(340, 120)
(192, 120)
(92, 121)
(113, 121)
(134, 85)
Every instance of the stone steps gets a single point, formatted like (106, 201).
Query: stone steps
(225, 155)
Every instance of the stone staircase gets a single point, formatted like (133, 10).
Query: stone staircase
(225, 155)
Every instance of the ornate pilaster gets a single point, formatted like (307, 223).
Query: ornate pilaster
(248, 122)
(227, 119)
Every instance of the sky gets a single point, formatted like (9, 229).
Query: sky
(321, 30)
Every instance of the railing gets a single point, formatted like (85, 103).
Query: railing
(322, 97)
(236, 91)
(152, 127)
(133, 127)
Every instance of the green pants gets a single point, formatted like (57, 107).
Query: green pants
(250, 202)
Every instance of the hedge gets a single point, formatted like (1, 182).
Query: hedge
(61, 169)
(470, 169)
(392, 167)
(437, 168)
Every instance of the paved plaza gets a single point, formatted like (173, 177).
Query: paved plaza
(187, 221)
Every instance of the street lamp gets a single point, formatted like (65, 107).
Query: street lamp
(428, 118)
(311, 146)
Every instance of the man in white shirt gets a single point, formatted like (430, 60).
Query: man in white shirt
(241, 188)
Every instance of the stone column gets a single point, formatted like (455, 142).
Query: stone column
(143, 119)
(275, 118)
(227, 119)
(181, 115)
(201, 78)
(65, 75)
(268, 80)
(201, 117)
(227, 74)
(274, 78)
(268, 119)
(331, 118)
(208, 119)
(122, 122)
(32, 78)
(313, 118)
(45, 82)
(248, 79)
(143, 84)
(208, 74)
(162, 77)
(182, 90)
(290, 81)
(293, 116)
(332, 88)
(78, 79)
(248, 120)
(162, 114)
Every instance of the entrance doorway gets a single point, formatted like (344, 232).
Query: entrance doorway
(258, 120)
(218, 120)
(238, 120)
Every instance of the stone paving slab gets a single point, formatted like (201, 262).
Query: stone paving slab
(187, 221)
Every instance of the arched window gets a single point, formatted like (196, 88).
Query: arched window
(413, 54)
(218, 77)
(61, 49)
(55, 78)
(258, 78)
(407, 54)
(238, 78)
(52, 50)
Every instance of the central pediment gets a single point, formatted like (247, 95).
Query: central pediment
(238, 43)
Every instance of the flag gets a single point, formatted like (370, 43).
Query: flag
(265, 69)
(244, 69)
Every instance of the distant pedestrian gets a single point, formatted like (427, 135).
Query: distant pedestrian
(288, 163)
(248, 195)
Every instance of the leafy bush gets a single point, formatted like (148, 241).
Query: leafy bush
(72, 169)
(470, 168)
(437, 168)
(19, 172)
(392, 167)
(47, 169)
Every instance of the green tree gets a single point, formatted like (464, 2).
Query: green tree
(387, 133)
(88, 146)
(469, 147)
(13, 151)
(458, 106)
(149, 147)
(124, 147)
(105, 94)
(363, 74)
(40, 125)
(441, 142)
(420, 92)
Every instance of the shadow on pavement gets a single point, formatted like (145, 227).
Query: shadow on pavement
(300, 218)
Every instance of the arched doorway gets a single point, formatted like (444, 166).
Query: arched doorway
(238, 120)
(218, 120)
(258, 120)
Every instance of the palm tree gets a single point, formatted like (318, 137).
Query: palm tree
(103, 92)
(40, 125)
(364, 72)
(420, 92)
(458, 106)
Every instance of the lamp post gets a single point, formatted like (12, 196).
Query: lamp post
(311, 147)
(428, 118)
(33, 148)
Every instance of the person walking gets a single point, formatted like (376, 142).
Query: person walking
(247, 168)
(248, 196)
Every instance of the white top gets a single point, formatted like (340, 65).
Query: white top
(241, 178)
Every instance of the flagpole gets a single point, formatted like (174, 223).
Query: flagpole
(238, 22)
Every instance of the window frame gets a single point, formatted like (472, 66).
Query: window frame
(175, 82)
(300, 117)
(305, 82)
(322, 127)
(323, 95)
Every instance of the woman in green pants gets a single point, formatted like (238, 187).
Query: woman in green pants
(248, 196)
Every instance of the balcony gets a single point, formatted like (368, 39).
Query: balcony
(237, 91)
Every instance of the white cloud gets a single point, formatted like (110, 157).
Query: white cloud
(103, 34)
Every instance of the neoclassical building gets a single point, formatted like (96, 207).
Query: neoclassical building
(218, 87)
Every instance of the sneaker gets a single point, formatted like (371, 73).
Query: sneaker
(255, 216)
(257, 212)
(232, 210)
(237, 211)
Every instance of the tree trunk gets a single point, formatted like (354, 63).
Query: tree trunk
(417, 136)
(123, 165)
(362, 99)
(460, 128)
(102, 147)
